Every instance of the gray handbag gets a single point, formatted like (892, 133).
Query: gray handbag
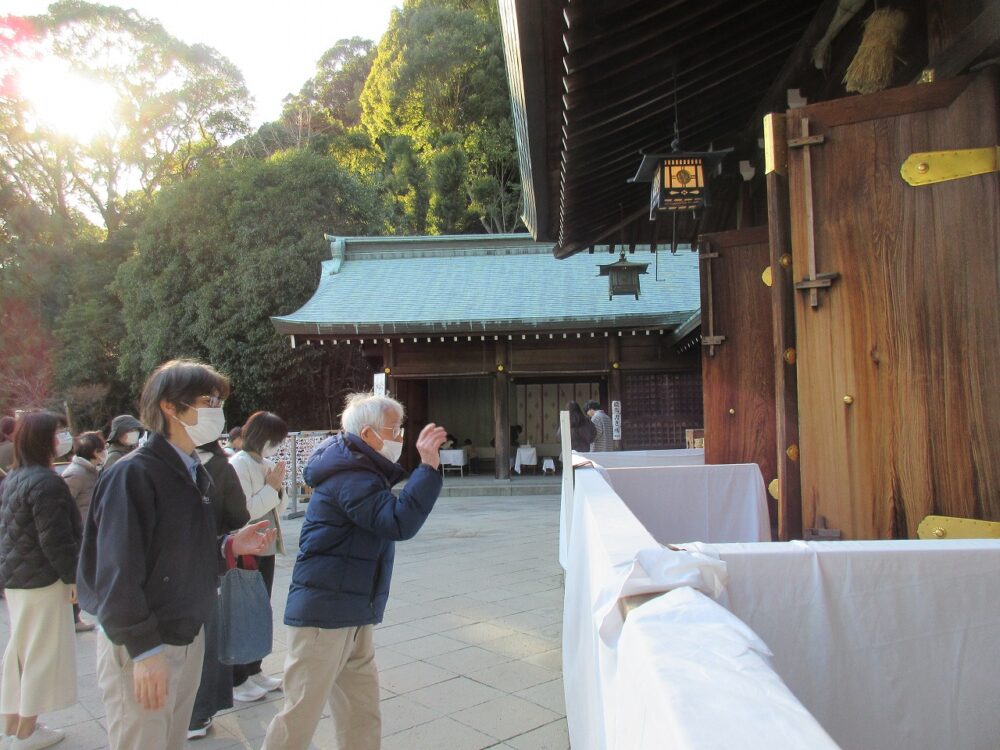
(245, 627)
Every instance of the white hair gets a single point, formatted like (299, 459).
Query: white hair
(367, 409)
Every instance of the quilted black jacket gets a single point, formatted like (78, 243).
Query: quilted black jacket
(40, 530)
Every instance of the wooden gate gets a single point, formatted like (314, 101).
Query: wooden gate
(897, 323)
(737, 351)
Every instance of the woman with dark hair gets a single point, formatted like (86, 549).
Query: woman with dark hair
(215, 692)
(261, 479)
(581, 430)
(81, 476)
(39, 545)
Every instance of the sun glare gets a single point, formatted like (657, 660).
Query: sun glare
(65, 101)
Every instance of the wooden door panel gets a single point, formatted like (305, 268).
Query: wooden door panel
(738, 378)
(910, 330)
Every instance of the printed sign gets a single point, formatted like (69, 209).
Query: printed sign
(616, 420)
(379, 388)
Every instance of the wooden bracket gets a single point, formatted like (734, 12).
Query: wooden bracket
(814, 281)
(710, 339)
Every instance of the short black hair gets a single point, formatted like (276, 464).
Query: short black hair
(595, 405)
(178, 382)
(236, 433)
(262, 428)
(88, 444)
(34, 437)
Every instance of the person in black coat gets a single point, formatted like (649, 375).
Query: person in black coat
(39, 546)
(581, 430)
(215, 692)
(150, 561)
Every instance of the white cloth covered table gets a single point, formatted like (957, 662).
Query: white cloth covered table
(719, 503)
(527, 455)
(889, 645)
(674, 457)
(454, 457)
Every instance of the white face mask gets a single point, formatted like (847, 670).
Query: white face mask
(210, 424)
(130, 438)
(270, 450)
(392, 449)
(65, 443)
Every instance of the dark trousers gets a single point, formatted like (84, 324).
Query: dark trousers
(215, 692)
(241, 672)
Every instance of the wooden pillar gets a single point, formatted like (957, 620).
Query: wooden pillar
(614, 376)
(501, 413)
(783, 327)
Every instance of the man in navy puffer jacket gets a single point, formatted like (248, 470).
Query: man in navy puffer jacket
(340, 583)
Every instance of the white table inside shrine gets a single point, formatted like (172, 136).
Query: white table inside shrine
(527, 455)
(455, 458)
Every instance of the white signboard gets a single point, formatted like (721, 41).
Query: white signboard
(379, 388)
(616, 420)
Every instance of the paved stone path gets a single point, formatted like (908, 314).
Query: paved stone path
(469, 653)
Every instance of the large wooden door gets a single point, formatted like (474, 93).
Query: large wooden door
(737, 365)
(898, 374)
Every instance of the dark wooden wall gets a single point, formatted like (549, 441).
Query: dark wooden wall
(899, 387)
(738, 375)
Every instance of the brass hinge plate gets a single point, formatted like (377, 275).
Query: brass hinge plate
(929, 167)
(948, 527)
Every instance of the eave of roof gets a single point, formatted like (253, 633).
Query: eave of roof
(483, 284)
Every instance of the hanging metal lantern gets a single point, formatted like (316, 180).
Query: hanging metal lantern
(623, 276)
(679, 179)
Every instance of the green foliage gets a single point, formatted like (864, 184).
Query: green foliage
(439, 75)
(220, 254)
(176, 104)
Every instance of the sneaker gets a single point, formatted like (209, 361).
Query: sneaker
(248, 692)
(41, 737)
(261, 680)
(82, 626)
(201, 730)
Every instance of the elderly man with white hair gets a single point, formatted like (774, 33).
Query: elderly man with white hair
(340, 583)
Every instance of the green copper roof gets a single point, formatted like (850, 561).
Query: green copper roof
(485, 283)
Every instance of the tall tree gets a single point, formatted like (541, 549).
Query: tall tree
(439, 72)
(220, 254)
(175, 104)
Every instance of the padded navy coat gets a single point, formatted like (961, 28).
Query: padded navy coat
(346, 546)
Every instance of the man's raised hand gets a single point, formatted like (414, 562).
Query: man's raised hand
(429, 443)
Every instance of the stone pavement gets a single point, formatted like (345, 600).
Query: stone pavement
(469, 653)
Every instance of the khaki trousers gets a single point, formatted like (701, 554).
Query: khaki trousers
(132, 727)
(335, 666)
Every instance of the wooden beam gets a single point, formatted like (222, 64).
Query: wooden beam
(978, 37)
(501, 413)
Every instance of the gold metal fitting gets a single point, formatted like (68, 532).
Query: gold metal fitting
(940, 533)
(774, 488)
(388, 370)
(923, 167)
(766, 277)
(848, 399)
(785, 261)
(499, 367)
(792, 452)
(732, 411)
(615, 365)
(789, 356)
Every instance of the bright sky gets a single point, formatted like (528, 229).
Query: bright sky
(275, 43)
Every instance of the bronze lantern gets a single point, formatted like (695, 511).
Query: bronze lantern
(623, 276)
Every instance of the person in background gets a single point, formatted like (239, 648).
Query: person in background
(235, 441)
(81, 478)
(124, 436)
(6, 443)
(604, 440)
(261, 480)
(150, 561)
(39, 546)
(581, 429)
(229, 505)
(340, 584)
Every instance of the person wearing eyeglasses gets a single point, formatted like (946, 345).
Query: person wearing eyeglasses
(340, 583)
(150, 561)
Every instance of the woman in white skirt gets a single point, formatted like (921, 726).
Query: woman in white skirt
(40, 535)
